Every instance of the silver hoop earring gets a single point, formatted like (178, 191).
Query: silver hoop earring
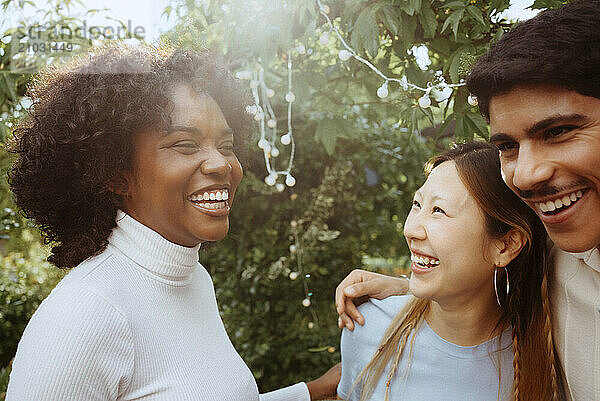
(496, 283)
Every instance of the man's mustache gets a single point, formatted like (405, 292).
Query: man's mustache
(549, 190)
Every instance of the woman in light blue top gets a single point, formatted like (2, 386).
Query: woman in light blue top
(486, 337)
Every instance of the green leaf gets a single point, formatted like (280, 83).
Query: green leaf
(479, 123)
(391, 19)
(455, 4)
(476, 14)
(454, 20)
(329, 130)
(428, 21)
(409, 26)
(366, 29)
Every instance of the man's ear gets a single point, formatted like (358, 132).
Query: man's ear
(508, 247)
(119, 185)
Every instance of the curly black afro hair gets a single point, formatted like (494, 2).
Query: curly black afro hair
(558, 47)
(78, 135)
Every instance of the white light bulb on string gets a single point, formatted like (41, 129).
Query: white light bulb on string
(251, 109)
(325, 8)
(290, 97)
(279, 187)
(293, 248)
(324, 39)
(472, 100)
(311, 325)
(290, 181)
(286, 139)
(306, 302)
(293, 275)
(270, 179)
(244, 75)
(382, 91)
(258, 116)
(270, 93)
(271, 123)
(274, 151)
(425, 101)
(263, 143)
(344, 55)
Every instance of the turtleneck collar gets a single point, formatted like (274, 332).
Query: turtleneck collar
(157, 255)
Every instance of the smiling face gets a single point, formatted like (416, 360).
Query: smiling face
(549, 138)
(446, 233)
(183, 181)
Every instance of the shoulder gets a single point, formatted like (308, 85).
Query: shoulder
(378, 317)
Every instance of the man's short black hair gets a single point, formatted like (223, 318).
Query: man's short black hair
(557, 47)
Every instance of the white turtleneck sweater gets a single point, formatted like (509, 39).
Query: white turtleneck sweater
(137, 322)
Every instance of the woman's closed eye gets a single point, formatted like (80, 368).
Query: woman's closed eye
(437, 209)
(187, 147)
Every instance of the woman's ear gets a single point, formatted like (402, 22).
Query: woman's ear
(119, 185)
(508, 247)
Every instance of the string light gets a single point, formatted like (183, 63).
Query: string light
(264, 114)
(348, 52)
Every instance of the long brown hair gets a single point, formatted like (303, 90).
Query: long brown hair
(526, 308)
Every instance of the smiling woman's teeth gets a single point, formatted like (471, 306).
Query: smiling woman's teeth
(424, 262)
(555, 205)
(217, 199)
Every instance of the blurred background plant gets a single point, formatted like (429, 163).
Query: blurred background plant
(359, 153)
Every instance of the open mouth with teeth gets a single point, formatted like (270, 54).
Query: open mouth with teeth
(424, 262)
(557, 205)
(213, 200)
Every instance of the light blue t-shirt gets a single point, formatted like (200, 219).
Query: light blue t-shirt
(439, 370)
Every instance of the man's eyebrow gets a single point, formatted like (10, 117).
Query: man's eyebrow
(542, 125)
(555, 119)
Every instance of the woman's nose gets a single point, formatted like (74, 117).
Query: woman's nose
(216, 163)
(413, 227)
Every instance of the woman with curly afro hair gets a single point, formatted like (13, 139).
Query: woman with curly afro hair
(126, 162)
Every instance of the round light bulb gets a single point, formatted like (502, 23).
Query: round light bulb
(472, 100)
(324, 39)
(270, 93)
(311, 325)
(306, 302)
(293, 248)
(293, 275)
(425, 101)
(274, 151)
(251, 109)
(271, 123)
(344, 55)
(270, 179)
(286, 139)
(294, 223)
(382, 91)
(290, 97)
(243, 75)
(325, 9)
(279, 187)
(263, 143)
(290, 181)
(258, 116)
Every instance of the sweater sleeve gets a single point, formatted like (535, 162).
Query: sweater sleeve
(76, 347)
(296, 392)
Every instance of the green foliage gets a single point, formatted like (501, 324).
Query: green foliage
(25, 280)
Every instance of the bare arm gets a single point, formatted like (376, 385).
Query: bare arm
(360, 285)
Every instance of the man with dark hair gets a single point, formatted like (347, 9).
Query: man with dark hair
(538, 87)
